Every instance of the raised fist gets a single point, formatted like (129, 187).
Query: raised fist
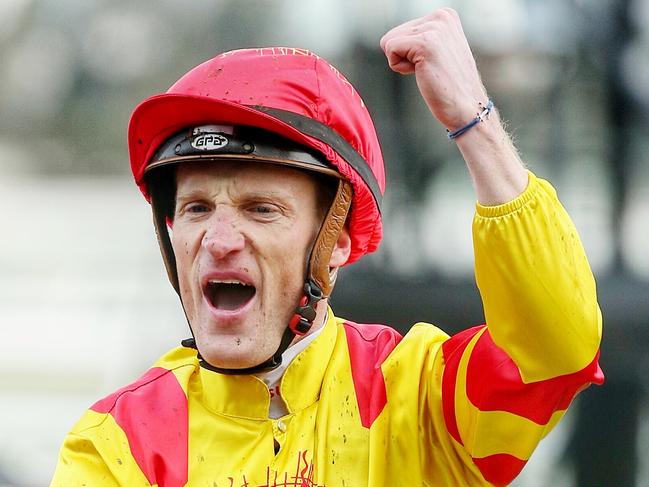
(435, 49)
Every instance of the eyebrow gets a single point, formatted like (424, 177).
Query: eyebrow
(189, 194)
(279, 194)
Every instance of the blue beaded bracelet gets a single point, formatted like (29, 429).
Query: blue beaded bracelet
(482, 115)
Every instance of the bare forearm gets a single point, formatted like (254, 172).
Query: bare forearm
(493, 162)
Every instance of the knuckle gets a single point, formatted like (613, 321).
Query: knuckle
(444, 14)
(389, 46)
(383, 41)
(429, 37)
(450, 12)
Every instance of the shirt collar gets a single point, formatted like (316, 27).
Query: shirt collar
(248, 396)
(302, 381)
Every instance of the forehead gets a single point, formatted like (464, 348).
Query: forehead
(244, 175)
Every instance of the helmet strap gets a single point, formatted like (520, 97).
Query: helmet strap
(318, 270)
(305, 314)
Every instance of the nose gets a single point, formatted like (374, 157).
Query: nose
(222, 236)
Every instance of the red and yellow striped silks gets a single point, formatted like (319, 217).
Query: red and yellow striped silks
(490, 410)
(365, 406)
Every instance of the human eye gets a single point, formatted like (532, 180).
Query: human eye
(192, 208)
(264, 211)
(197, 207)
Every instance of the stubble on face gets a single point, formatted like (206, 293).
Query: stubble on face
(253, 223)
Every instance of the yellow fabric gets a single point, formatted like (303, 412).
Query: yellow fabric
(536, 285)
(97, 453)
(487, 433)
(546, 329)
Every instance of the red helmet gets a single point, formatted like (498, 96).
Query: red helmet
(292, 93)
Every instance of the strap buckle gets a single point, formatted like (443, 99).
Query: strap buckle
(305, 313)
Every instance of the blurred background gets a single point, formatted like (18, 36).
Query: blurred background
(85, 305)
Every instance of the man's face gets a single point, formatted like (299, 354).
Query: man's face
(241, 234)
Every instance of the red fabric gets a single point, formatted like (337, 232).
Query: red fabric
(369, 345)
(453, 349)
(504, 390)
(296, 80)
(499, 469)
(152, 412)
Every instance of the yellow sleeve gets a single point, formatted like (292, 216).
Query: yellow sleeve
(537, 288)
(505, 385)
(96, 452)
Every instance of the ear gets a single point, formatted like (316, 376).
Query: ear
(342, 249)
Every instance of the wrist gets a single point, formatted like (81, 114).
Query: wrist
(481, 116)
(496, 169)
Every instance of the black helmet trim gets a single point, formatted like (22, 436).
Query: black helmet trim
(329, 136)
(217, 142)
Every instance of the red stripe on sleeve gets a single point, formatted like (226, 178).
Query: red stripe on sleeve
(503, 388)
(152, 412)
(499, 469)
(453, 348)
(369, 346)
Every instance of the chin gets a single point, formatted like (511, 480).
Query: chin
(239, 344)
(241, 358)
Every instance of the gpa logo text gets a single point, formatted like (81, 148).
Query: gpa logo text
(209, 142)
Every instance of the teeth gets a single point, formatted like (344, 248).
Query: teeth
(227, 281)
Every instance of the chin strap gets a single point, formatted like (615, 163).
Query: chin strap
(305, 313)
(299, 325)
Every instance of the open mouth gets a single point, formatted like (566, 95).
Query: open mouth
(228, 295)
